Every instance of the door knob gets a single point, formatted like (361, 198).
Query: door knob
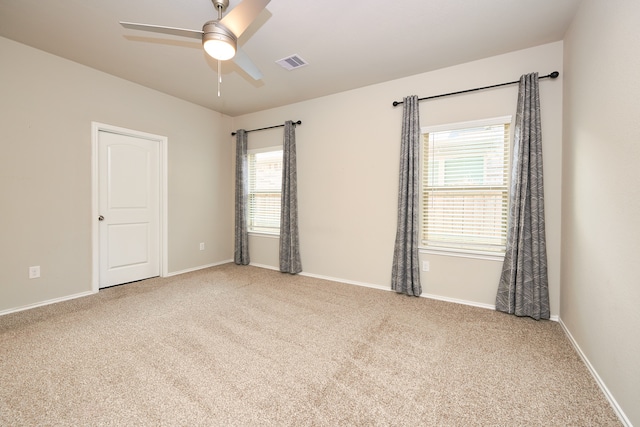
(100, 218)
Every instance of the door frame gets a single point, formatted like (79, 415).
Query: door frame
(163, 142)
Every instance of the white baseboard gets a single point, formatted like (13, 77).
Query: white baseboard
(459, 301)
(553, 317)
(84, 294)
(201, 267)
(384, 288)
(47, 302)
(331, 279)
(266, 267)
(614, 404)
(348, 282)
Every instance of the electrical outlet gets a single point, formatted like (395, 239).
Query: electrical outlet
(34, 272)
(425, 265)
(202, 246)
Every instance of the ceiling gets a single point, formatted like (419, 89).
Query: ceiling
(348, 44)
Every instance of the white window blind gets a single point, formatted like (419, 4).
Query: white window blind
(465, 186)
(265, 187)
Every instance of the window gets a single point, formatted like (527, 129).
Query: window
(465, 186)
(265, 186)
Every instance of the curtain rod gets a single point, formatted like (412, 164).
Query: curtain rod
(299, 122)
(553, 75)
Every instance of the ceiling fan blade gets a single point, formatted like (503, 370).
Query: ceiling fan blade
(241, 16)
(242, 60)
(195, 34)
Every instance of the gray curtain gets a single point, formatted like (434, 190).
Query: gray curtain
(523, 288)
(241, 253)
(289, 245)
(405, 274)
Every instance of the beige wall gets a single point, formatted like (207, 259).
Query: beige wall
(348, 154)
(46, 109)
(601, 204)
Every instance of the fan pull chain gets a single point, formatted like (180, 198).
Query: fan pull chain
(219, 77)
(220, 7)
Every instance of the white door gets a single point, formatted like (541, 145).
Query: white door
(128, 208)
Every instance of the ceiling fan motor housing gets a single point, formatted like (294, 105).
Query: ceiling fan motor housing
(214, 31)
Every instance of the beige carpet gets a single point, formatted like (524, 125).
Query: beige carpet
(243, 346)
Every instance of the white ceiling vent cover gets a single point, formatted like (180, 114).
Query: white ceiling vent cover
(292, 62)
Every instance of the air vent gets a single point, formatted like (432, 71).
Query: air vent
(292, 62)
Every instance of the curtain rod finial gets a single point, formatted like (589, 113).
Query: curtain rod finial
(554, 75)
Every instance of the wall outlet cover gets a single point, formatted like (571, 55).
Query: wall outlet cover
(34, 272)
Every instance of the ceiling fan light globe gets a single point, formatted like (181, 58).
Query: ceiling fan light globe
(219, 49)
(218, 41)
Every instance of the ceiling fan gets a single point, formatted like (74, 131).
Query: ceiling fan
(219, 37)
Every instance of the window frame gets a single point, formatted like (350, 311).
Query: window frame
(250, 221)
(451, 250)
